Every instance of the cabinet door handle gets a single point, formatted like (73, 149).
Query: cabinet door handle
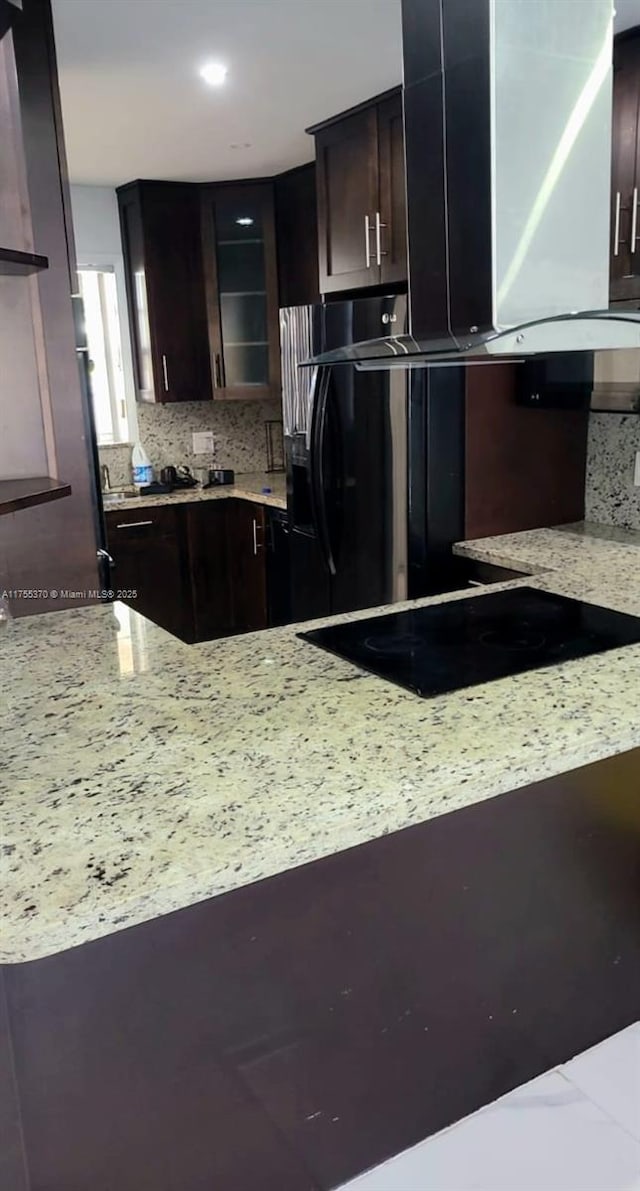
(218, 371)
(133, 524)
(255, 536)
(165, 373)
(367, 241)
(634, 220)
(379, 252)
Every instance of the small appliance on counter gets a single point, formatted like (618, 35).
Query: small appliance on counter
(155, 488)
(178, 477)
(218, 477)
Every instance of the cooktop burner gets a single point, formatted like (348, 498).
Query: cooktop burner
(446, 647)
(389, 643)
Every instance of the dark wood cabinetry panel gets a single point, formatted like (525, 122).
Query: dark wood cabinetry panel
(148, 546)
(241, 276)
(393, 191)
(625, 230)
(199, 570)
(525, 467)
(160, 224)
(53, 545)
(297, 236)
(247, 549)
(347, 172)
(34, 490)
(209, 569)
(134, 256)
(21, 264)
(361, 196)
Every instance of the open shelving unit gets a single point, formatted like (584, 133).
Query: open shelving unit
(32, 490)
(20, 264)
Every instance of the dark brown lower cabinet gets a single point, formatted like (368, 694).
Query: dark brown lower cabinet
(209, 569)
(148, 548)
(197, 570)
(246, 528)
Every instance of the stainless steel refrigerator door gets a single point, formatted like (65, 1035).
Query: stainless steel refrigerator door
(299, 338)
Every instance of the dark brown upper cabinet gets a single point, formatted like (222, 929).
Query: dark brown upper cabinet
(625, 170)
(361, 196)
(241, 275)
(297, 236)
(393, 190)
(160, 225)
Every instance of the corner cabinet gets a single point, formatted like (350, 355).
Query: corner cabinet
(241, 277)
(362, 222)
(198, 570)
(150, 570)
(297, 236)
(160, 226)
(625, 170)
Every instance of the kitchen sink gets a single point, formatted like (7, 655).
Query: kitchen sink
(113, 495)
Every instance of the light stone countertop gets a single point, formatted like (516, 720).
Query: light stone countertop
(248, 486)
(139, 775)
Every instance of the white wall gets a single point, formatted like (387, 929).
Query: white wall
(97, 234)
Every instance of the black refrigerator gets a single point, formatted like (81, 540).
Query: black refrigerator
(375, 465)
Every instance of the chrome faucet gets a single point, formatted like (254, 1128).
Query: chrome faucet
(105, 478)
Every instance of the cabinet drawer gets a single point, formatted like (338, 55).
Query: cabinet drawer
(142, 523)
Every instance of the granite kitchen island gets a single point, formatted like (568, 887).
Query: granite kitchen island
(141, 775)
(285, 1034)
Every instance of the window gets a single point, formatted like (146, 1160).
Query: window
(102, 323)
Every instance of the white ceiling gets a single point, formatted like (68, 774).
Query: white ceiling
(134, 106)
(627, 14)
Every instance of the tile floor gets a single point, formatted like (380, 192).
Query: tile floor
(576, 1128)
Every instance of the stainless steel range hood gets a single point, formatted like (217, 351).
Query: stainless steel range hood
(507, 108)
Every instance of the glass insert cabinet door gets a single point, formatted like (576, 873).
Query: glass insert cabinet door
(242, 290)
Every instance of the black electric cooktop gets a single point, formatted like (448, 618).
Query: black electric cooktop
(449, 646)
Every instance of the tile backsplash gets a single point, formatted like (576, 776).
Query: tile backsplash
(165, 433)
(118, 460)
(611, 497)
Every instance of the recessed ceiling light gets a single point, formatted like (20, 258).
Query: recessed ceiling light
(245, 221)
(213, 73)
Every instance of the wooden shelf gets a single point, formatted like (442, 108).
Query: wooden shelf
(13, 263)
(36, 490)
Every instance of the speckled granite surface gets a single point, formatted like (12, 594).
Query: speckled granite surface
(610, 494)
(247, 487)
(586, 561)
(140, 775)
